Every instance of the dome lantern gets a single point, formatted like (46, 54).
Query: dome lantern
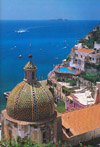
(30, 72)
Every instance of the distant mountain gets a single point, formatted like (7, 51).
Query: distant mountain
(60, 19)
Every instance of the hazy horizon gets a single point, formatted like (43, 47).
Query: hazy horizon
(49, 9)
(47, 20)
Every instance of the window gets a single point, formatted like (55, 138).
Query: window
(33, 75)
(15, 125)
(44, 137)
(35, 126)
(69, 133)
(97, 51)
(71, 102)
(25, 74)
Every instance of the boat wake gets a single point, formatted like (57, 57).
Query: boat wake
(30, 28)
(21, 31)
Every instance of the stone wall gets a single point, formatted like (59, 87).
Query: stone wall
(63, 76)
(92, 70)
(82, 137)
(59, 130)
(34, 130)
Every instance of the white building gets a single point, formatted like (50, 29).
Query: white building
(78, 46)
(79, 58)
(94, 58)
(82, 55)
(86, 37)
(96, 45)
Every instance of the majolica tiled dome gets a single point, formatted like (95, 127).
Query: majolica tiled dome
(30, 102)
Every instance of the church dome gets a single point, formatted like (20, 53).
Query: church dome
(30, 102)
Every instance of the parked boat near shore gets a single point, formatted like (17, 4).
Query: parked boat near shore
(6, 94)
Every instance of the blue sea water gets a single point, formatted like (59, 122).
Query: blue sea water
(47, 40)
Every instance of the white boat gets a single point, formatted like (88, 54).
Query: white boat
(20, 56)
(21, 31)
(65, 47)
(6, 94)
(56, 58)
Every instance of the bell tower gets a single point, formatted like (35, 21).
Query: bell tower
(30, 72)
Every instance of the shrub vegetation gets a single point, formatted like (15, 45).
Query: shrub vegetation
(61, 107)
(90, 77)
(29, 143)
(72, 82)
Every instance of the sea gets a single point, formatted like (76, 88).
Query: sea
(49, 42)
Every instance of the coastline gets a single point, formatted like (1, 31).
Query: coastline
(52, 43)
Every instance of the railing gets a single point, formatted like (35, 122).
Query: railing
(72, 95)
(69, 106)
(76, 101)
(74, 105)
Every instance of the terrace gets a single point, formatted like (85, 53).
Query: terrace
(72, 103)
(65, 70)
(79, 100)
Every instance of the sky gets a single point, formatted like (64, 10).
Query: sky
(49, 9)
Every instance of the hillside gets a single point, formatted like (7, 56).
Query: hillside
(92, 38)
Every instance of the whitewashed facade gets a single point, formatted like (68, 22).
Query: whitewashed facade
(78, 46)
(96, 45)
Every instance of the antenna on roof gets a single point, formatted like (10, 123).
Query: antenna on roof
(30, 55)
(30, 47)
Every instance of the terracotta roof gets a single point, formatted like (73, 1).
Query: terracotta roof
(82, 120)
(85, 50)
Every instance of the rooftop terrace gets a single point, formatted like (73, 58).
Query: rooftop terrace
(85, 98)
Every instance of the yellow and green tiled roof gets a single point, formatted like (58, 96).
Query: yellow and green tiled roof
(30, 65)
(30, 102)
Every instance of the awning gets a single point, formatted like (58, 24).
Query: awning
(69, 97)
